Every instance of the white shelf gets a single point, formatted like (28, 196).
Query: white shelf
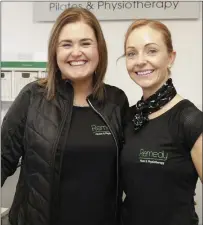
(14, 79)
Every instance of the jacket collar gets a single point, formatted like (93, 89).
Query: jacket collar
(65, 88)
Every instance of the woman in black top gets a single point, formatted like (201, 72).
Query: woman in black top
(68, 129)
(162, 157)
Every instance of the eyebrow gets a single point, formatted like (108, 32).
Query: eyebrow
(70, 41)
(145, 45)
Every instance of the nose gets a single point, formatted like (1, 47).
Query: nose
(76, 51)
(141, 60)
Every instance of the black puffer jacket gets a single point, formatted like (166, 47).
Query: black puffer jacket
(35, 129)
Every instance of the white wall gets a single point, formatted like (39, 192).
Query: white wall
(21, 38)
(20, 35)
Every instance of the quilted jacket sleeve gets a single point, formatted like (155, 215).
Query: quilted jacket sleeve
(12, 134)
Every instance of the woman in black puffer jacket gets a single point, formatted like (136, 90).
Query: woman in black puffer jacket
(68, 129)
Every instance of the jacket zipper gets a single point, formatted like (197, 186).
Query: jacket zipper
(64, 145)
(55, 146)
(59, 135)
(116, 149)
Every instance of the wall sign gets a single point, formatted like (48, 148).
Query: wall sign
(120, 10)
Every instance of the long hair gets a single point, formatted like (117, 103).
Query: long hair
(72, 15)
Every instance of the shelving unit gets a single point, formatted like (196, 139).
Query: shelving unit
(15, 75)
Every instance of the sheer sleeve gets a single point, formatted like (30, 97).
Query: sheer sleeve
(191, 124)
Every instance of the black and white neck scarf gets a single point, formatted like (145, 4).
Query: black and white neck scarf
(144, 108)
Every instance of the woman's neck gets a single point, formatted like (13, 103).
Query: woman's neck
(81, 90)
(150, 91)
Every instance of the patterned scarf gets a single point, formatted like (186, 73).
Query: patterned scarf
(144, 108)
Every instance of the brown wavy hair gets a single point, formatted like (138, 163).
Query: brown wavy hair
(72, 15)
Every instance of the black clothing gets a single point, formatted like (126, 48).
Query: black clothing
(37, 129)
(155, 102)
(88, 175)
(158, 175)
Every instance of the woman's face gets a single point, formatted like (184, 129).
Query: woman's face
(77, 52)
(147, 58)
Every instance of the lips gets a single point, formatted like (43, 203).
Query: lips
(144, 72)
(77, 62)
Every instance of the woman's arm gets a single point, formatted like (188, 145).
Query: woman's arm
(12, 133)
(196, 154)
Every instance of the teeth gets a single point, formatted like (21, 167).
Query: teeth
(146, 72)
(77, 63)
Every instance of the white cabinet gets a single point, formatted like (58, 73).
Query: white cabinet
(6, 85)
(20, 79)
(14, 79)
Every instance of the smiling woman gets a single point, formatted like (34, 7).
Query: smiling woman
(162, 156)
(77, 38)
(68, 129)
(149, 59)
(77, 53)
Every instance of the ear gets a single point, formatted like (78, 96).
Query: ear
(172, 58)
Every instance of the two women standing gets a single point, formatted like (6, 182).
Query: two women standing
(70, 129)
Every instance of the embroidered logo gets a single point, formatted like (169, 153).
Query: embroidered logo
(100, 130)
(153, 157)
